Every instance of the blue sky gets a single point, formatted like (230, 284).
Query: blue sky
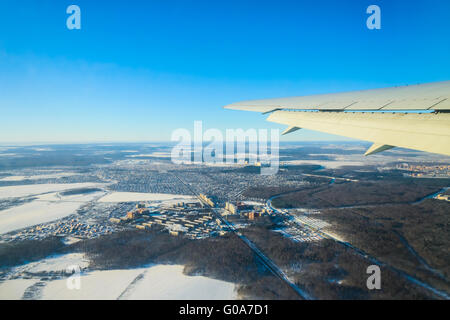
(137, 70)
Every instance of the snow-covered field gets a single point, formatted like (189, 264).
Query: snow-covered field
(166, 282)
(169, 283)
(8, 155)
(35, 189)
(104, 285)
(47, 207)
(54, 263)
(42, 176)
(14, 289)
(138, 196)
(152, 155)
(332, 164)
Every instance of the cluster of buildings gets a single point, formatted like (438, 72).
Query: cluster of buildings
(191, 219)
(312, 222)
(182, 218)
(244, 210)
(300, 234)
(302, 229)
(231, 208)
(206, 200)
(72, 227)
(425, 171)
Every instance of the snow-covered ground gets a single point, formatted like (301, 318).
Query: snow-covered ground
(253, 203)
(36, 189)
(8, 155)
(45, 208)
(138, 196)
(104, 285)
(332, 164)
(152, 155)
(41, 176)
(14, 289)
(54, 263)
(166, 282)
(169, 283)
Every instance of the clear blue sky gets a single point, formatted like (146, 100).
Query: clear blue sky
(139, 69)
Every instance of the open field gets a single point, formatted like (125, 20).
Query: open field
(140, 196)
(44, 208)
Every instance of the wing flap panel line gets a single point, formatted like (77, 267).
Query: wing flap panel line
(428, 96)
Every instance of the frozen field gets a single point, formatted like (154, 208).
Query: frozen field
(36, 189)
(137, 196)
(47, 207)
(152, 155)
(55, 263)
(166, 282)
(332, 164)
(169, 283)
(42, 176)
(14, 289)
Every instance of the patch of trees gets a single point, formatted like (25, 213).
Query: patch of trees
(262, 192)
(226, 258)
(328, 270)
(425, 226)
(393, 232)
(19, 252)
(360, 193)
(80, 191)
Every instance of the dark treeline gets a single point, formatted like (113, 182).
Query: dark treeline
(360, 193)
(19, 252)
(224, 258)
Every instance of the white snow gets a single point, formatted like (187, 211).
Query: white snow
(152, 155)
(46, 208)
(332, 164)
(35, 189)
(253, 203)
(14, 289)
(163, 282)
(138, 196)
(104, 285)
(167, 282)
(42, 176)
(158, 282)
(54, 263)
(8, 154)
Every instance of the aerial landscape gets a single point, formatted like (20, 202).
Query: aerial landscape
(140, 227)
(214, 159)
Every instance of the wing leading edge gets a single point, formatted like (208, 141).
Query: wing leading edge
(349, 114)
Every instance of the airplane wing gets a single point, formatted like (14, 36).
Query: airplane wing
(414, 117)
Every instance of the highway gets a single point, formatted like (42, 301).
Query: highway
(372, 259)
(268, 263)
(281, 275)
(264, 259)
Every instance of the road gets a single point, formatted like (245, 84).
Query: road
(329, 177)
(268, 263)
(264, 259)
(372, 259)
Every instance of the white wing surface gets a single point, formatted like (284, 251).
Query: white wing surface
(388, 117)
